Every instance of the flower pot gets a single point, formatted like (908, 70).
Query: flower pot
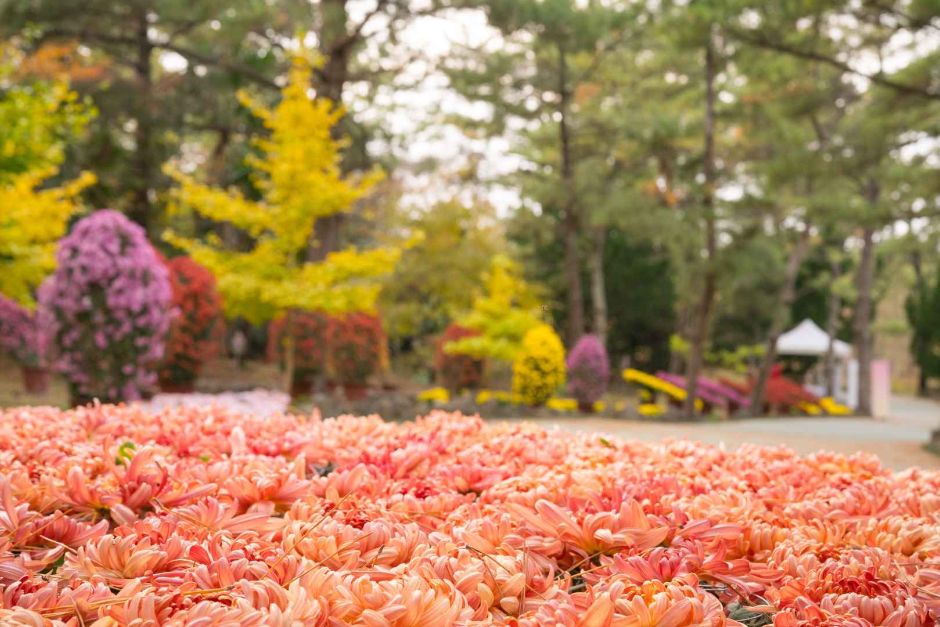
(35, 380)
(355, 391)
(177, 387)
(301, 386)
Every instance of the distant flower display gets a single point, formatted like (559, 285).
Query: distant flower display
(652, 383)
(357, 347)
(203, 516)
(107, 307)
(20, 335)
(457, 371)
(588, 371)
(309, 331)
(434, 395)
(197, 321)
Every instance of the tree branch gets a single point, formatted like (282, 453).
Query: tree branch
(187, 53)
(877, 78)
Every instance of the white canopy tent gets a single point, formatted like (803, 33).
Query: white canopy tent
(807, 339)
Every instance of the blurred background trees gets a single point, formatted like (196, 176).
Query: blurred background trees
(680, 180)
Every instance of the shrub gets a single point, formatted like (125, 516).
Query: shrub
(456, 371)
(309, 330)
(539, 369)
(108, 308)
(588, 371)
(194, 332)
(357, 347)
(19, 333)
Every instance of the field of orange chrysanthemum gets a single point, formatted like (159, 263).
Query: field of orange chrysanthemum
(113, 516)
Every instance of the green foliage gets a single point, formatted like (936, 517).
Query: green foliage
(503, 314)
(923, 315)
(435, 279)
(539, 368)
(740, 359)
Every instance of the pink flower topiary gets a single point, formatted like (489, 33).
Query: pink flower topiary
(107, 307)
(588, 371)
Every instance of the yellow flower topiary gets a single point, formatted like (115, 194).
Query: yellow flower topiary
(539, 368)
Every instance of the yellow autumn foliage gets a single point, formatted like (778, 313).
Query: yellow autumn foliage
(297, 171)
(31, 223)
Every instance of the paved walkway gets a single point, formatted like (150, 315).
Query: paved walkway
(897, 441)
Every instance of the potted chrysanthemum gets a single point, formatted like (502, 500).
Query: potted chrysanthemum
(20, 337)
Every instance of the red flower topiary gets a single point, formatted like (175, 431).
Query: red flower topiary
(357, 347)
(194, 333)
(309, 330)
(457, 372)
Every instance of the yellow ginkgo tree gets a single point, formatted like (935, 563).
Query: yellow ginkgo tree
(35, 121)
(296, 171)
(32, 220)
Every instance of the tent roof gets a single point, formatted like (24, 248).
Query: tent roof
(807, 338)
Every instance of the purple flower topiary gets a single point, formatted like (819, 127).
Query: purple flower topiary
(19, 333)
(107, 307)
(588, 371)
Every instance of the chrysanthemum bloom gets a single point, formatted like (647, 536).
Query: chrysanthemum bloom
(107, 308)
(203, 515)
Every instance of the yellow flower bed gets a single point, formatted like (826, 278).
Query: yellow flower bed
(650, 409)
(498, 396)
(562, 404)
(834, 408)
(810, 408)
(434, 395)
(631, 375)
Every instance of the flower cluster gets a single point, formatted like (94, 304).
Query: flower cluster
(20, 333)
(107, 307)
(539, 368)
(457, 371)
(357, 347)
(193, 337)
(203, 516)
(309, 334)
(588, 371)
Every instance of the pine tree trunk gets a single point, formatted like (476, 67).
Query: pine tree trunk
(336, 45)
(832, 320)
(570, 217)
(920, 287)
(710, 281)
(779, 321)
(863, 318)
(598, 283)
(141, 209)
